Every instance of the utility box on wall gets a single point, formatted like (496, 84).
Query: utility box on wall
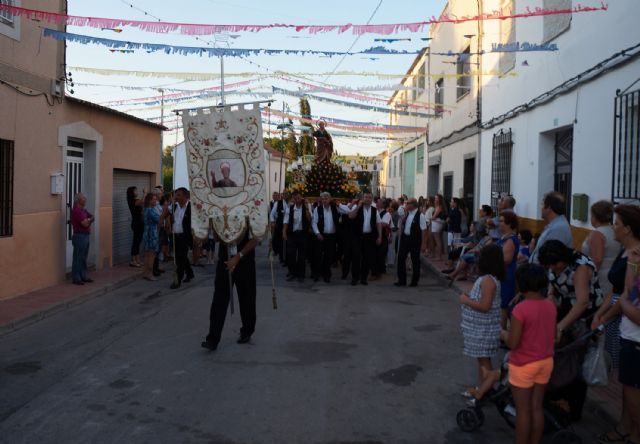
(580, 207)
(57, 183)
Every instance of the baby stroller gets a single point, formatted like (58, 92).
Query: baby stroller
(568, 361)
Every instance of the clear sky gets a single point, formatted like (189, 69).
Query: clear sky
(248, 12)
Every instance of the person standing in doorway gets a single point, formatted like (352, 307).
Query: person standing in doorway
(183, 238)
(137, 224)
(81, 221)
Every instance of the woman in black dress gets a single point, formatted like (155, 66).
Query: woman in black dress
(137, 224)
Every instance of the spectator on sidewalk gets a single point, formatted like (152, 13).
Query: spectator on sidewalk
(81, 221)
(600, 244)
(162, 209)
(557, 228)
(437, 223)
(510, 244)
(150, 238)
(454, 219)
(137, 224)
(505, 203)
(525, 238)
(183, 237)
(412, 242)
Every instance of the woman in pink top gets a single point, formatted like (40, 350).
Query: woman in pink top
(531, 339)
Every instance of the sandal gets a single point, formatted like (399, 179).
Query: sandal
(467, 393)
(617, 436)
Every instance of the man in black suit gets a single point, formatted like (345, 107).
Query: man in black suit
(367, 233)
(238, 263)
(277, 221)
(295, 230)
(412, 240)
(325, 225)
(182, 235)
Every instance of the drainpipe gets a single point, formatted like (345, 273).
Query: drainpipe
(479, 106)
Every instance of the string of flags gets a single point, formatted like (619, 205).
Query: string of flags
(208, 29)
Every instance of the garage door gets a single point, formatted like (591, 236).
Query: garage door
(122, 234)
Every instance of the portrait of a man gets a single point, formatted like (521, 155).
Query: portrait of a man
(226, 173)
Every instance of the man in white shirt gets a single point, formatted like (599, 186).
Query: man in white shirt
(367, 231)
(380, 263)
(412, 241)
(182, 236)
(278, 208)
(297, 220)
(325, 225)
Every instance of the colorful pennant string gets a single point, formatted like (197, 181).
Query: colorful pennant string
(208, 51)
(208, 29)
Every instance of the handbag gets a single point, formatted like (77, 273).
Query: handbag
(596, 366)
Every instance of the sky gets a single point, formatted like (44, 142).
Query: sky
(248, 12)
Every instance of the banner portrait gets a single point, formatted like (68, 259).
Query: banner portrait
(226, 165)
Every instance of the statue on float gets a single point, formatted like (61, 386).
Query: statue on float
(324, 143)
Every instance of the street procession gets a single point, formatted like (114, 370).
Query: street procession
(364, 222)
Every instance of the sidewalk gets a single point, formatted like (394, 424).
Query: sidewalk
(31, 307)
(604, 401)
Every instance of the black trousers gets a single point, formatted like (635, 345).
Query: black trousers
(407, 247)
(363, 256)
(244, 279)
(347, 252)
(183, 266)
(380, 265)
(297, 253)
(325, 255)
(278, 242)
(138, 231)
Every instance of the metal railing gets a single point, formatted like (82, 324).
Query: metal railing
(626, 147)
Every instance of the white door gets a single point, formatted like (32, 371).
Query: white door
(74, 177)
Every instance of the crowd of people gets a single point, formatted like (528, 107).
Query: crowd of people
(532, 294)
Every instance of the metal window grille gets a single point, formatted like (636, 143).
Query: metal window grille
(5, 16)
(439, 97)
(501, 166)
(420, 158)
(626, 148)
(564, 166)
(6, 187)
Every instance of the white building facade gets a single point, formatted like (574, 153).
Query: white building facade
(559, 123)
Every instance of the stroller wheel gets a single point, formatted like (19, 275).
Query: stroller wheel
(470, 419)
(565, 437)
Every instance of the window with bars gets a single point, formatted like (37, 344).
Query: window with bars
(439, 97)
(6, 187)
(422, 74)
(626, 148)
(501, 166)
(6, 18)
(463, 70)
(420, 158)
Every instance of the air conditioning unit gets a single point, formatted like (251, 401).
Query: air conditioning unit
(57, 88)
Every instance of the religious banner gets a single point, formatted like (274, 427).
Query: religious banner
(226, 165)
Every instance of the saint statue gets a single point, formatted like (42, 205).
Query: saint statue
(324, 144)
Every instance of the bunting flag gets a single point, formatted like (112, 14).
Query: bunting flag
(286, 92)
(200, 76)
(208, 51)
(208, 29)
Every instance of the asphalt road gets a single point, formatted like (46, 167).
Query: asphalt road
(334, 364)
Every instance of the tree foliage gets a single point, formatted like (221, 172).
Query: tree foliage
(306, 139)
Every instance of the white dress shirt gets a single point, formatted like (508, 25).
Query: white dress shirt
(298, 213)
(366, 223)
(329, 227)
(409, 221)
(274, 211)
(177, 218)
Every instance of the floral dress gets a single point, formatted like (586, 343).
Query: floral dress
(150, 238)
(481, 331)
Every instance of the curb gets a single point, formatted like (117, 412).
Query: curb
(439, 276)
(45, 312)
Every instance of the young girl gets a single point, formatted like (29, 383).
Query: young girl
(481, 313)
(531, 339)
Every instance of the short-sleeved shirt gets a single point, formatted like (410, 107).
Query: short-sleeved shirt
(77, 216)
(538, 318)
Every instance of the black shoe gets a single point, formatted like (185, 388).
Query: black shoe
(209, 345)
(316, 278)
(364, 282)
(413, 284)
(156, 273)
(243, 339)
(161, 271)
(290, 278)
(354, 282)
(188, 279)
(87, 281)
(174, 285)
(300, 280)
(76, 282)
(447, 271)
(327, 280)
(344, 277)
(399, 284)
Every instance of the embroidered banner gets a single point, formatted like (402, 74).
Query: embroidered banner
(226, 164)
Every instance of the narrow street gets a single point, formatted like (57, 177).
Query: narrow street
(334, 364)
